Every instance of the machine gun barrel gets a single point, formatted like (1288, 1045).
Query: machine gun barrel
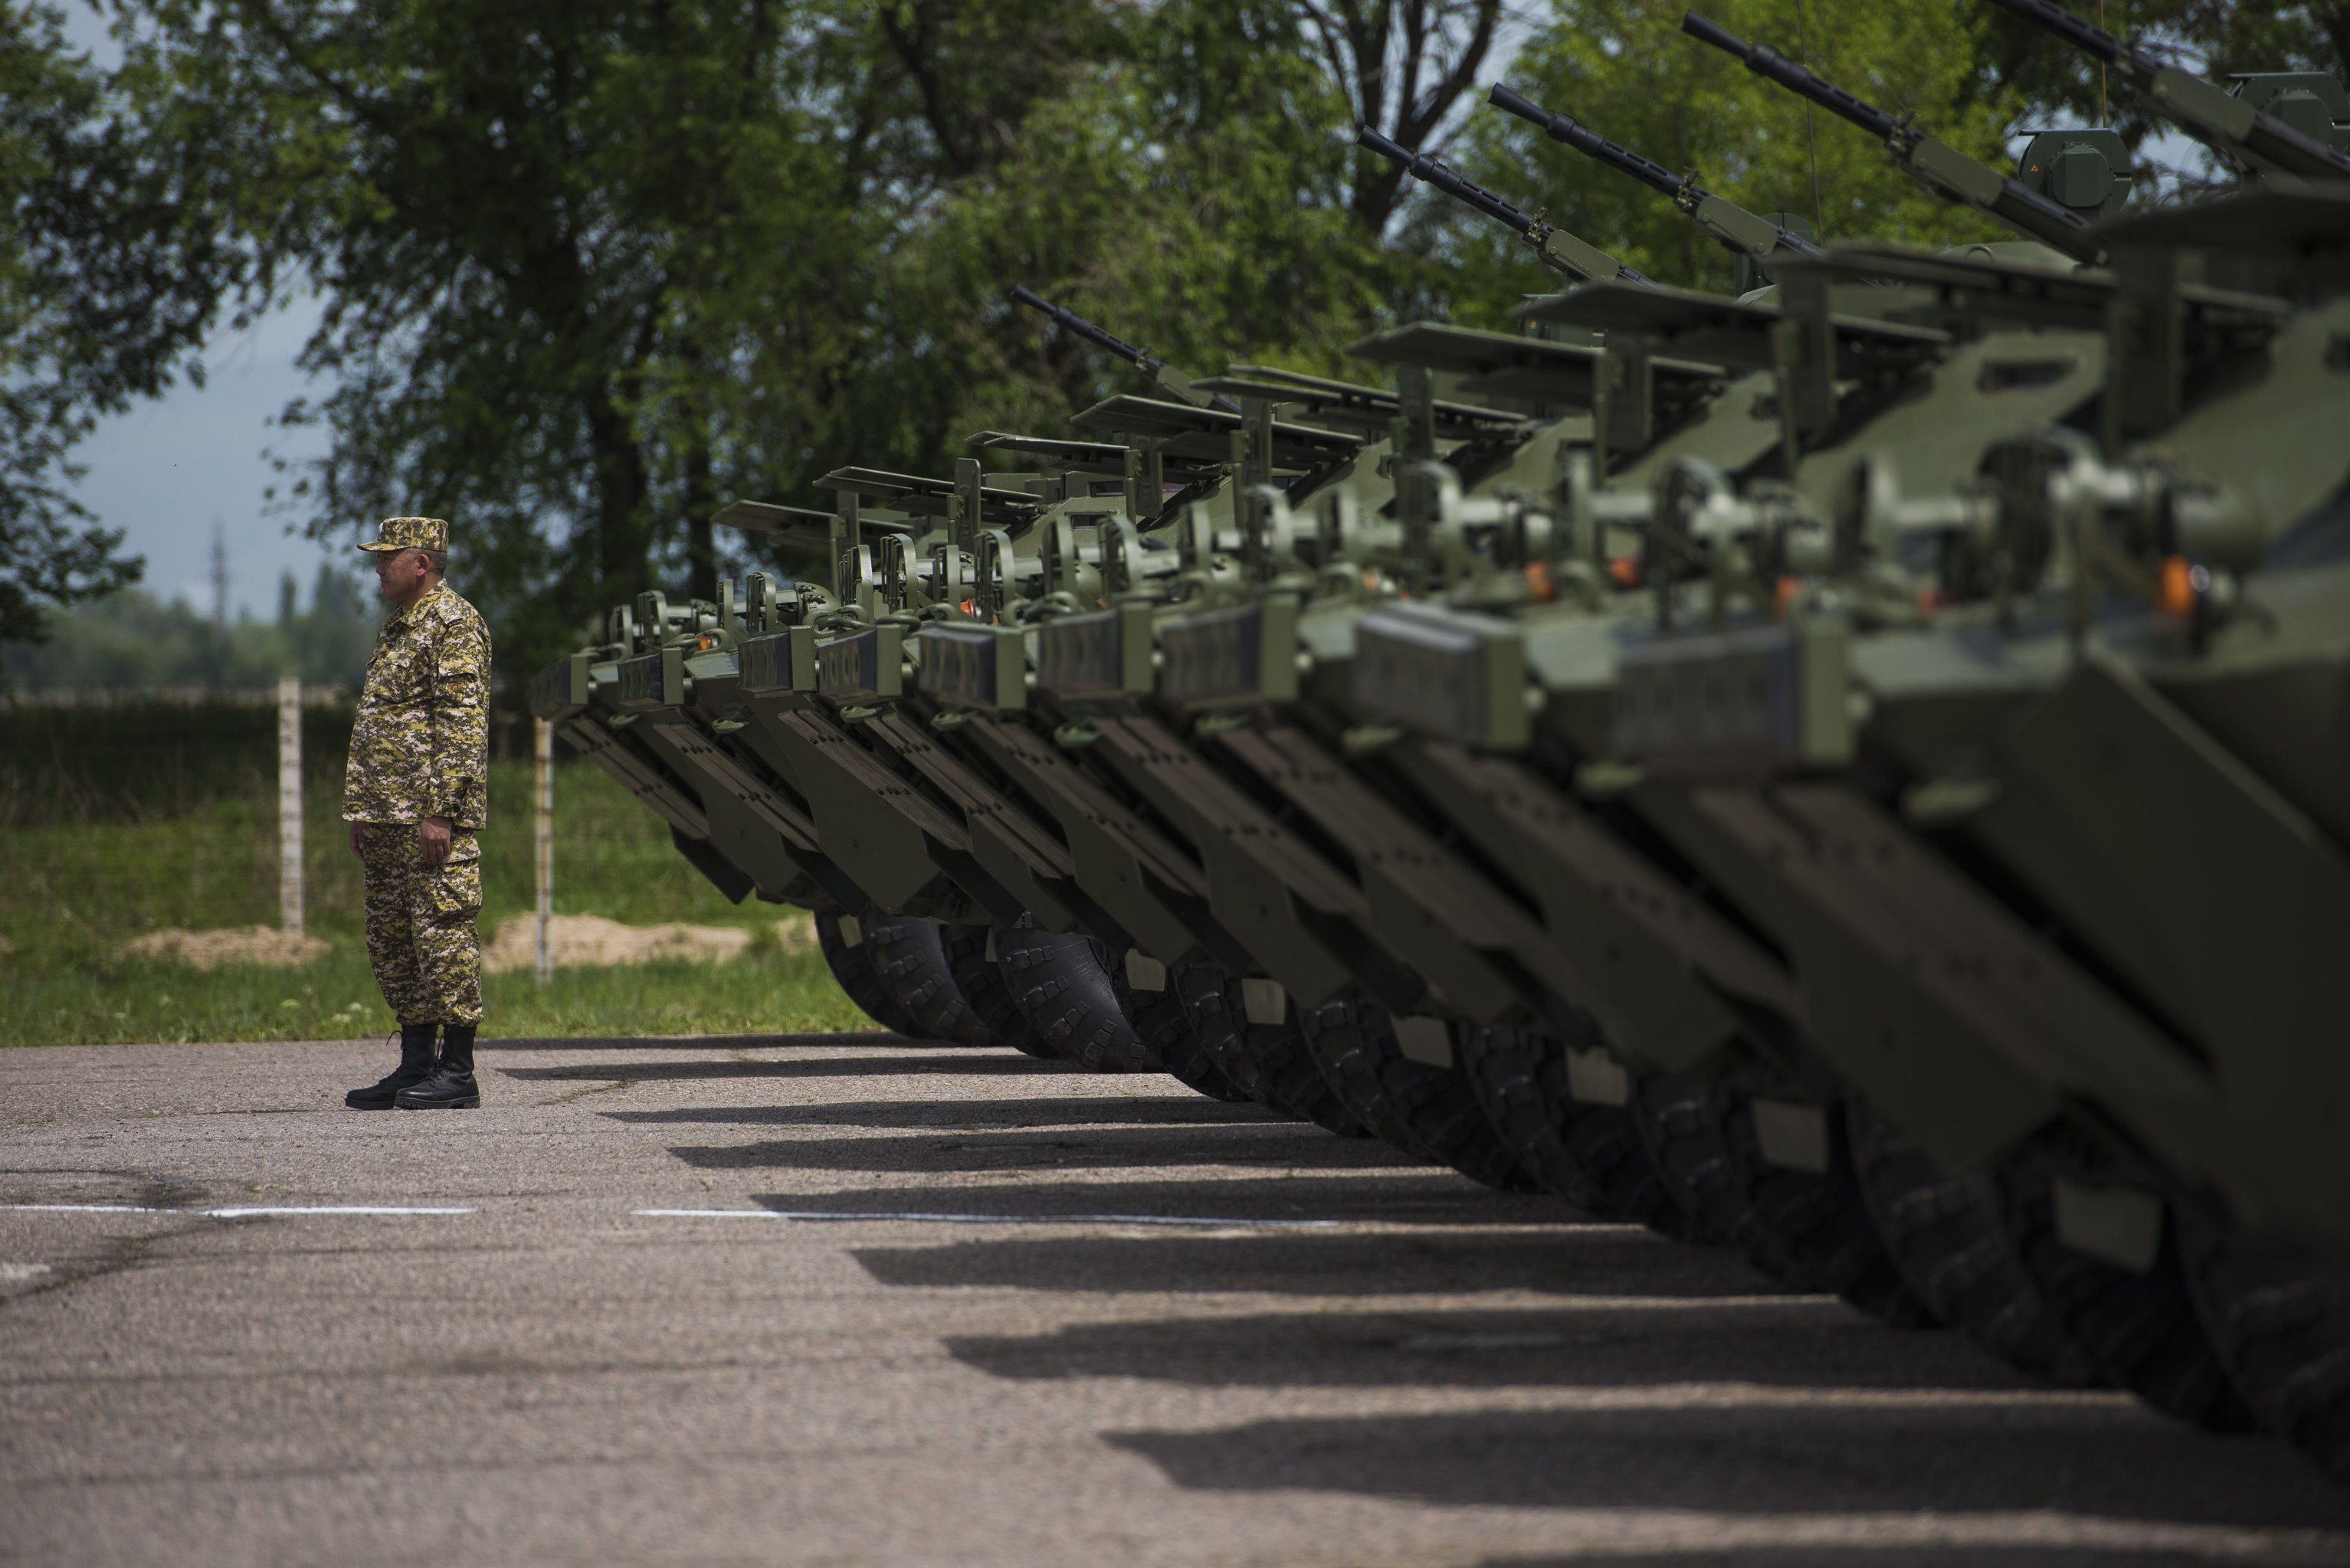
(1940, 168)
(1165, 375)
(1570, 256)
(1565, 128)
(1732, 225)
(1100, 337)
(1443, 177)
(2226, 124)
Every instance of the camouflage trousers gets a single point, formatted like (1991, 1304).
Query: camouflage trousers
(420, 924)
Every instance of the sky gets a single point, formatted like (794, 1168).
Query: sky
(170, 468)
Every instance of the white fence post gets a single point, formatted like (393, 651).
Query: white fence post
(289, 803)
(542, 755)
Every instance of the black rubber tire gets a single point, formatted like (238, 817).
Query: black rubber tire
(1354, 1043)
(2142, 1330)
(911, 957)
(1946, 1237)
(1590, 1155)
(1062, 985)
(984, 986)
(2279, 1321)
(1687, 1123)
(1270, 1060)
(1813, 1228)
(854, 968)
(1680, 1120)
(1358, 1091)
(1164, 1025)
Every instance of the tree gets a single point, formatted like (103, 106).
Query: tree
(110, 276)
(567, 268)
(1190, 189)
(1403, 69)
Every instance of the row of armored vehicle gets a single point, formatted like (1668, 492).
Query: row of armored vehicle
(1855, 773)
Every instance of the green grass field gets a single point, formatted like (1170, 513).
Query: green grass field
(72, 892)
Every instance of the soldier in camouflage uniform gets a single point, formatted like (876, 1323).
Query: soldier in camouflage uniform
(415, 790)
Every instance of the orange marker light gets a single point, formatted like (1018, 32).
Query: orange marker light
(1625, 570)
(1538, 582)
(2174, 590)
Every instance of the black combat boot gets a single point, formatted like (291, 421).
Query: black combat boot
(451, 1086)
(415, 1067)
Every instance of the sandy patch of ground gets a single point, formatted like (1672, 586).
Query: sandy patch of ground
(593, 939)
(209, 950)
(572, 939)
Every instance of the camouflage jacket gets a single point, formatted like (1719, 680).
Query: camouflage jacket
(420, 746)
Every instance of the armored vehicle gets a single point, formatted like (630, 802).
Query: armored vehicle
(1850, 772)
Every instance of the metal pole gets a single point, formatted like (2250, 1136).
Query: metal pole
(289, 803)
(542, 765)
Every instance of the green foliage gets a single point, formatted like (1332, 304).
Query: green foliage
(76, 890)
(1191, 194)
(763, 992)
(72, 892)
(133, 640)
(49, 387)
(1622, 68)
(575, 257)
(149, 761)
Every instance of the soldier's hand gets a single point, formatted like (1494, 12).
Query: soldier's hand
(355, 842)
(432, 840)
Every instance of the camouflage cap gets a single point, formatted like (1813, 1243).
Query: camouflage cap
(410, 533)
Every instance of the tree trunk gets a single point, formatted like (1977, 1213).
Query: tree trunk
(623, 537)
(701, 501)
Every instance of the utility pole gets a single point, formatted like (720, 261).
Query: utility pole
(219, 574)
(289, 803)
(542, 767)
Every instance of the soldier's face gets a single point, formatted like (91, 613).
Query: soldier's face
(399, 573)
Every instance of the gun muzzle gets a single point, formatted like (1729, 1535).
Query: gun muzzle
(1708, 32)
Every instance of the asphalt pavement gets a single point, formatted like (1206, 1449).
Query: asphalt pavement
(858, 1300)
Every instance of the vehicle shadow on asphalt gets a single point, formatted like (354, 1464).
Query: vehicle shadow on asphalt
(1800, 1342)
(1417, 1196)
(2098, 1457)
(864, 1037)
(992, 1065)
(1097, 1147)
(1570, 1260)
(1171, 1110)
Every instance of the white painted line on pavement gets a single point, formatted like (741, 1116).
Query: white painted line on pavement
(222, 1213)
(329, 1209)
(913, 1217)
